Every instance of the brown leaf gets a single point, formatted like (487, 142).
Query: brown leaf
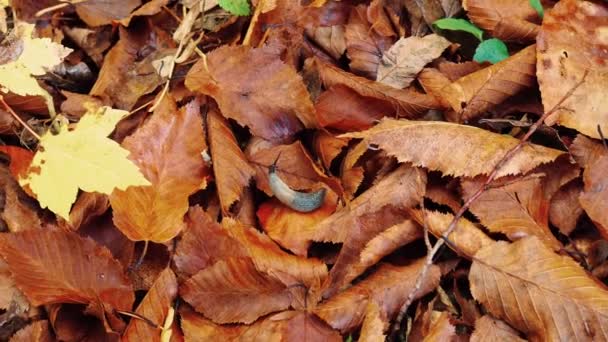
(204, 242)
(406, 102)
(454, 71)
(127, 72)
(490, 329)
(38, 331)
(20, 159)
(586, 151)
(547, 296)
(255, 88)
(331, 39)
(93, 41)
(595, 197)
(88, 207)
(12, 301)
(52, 266)
(19, 212)
(516, 207)
(441, 329)
(292, 229)
(565, 209)
(508, 20)
(374, 325)
(475, 93)
(399, 190)
(76, 105)
(97, 13)
(404, 60)
(232, 290)
(430, 11)
(328, 147)
(167, 149)
(231, 169)
(570, 45)
(149, 8)
(389, 287)
(431, 144)
(155, 307)
(294, 165)
(364, 46)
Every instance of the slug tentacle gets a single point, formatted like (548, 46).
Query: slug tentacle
(296, 200)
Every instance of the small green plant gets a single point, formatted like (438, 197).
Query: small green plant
(236, 7)
(538, 7)
(492, 50)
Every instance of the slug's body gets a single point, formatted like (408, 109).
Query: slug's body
(296, 200)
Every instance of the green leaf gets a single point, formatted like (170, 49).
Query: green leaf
(236, 7)
(81, 158)
(538, 7)
(492, 50)
(459, 25)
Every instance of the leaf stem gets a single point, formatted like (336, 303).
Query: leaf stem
(25, 125)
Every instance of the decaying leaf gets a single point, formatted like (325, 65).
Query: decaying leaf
(595, 197)
(97, 13)
(404, 60)
(167, 149)
(507, 20)
(572, 44)
(94, 162)
(545, 295)
(491, 329)
(453, 149)
(255, 88)
(38, 56)
(38, 331)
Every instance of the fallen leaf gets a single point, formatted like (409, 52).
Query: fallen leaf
(232, 290)
(490, 329)
(38, 331)
(97, 13)
(441, 329)
(19, 211)
(595, 197)
(565, 208)
(255, 88)
(52, 266)
(472, 95)
(231, 169)
(331, 39)
(328, 147)
(586, 151)
(374, 324)
(167, 148)
(20, 159)
(430, 144)
(406, 102)
(545, 295)
(508, 20)
(364, 46)
(17, 76)
(388, 286)
(155, 307)
(94, 162)
(88, 206)
(148, 9)
(571, 44)
(406, 58)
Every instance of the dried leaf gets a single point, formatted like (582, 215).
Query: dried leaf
(374, 325)
(67, 160)
(490, 329)
(565, 209)
(231, 169)
(255, 88)
(52, 266)
(232, 290)
(508, 20)
(19, 212)
(571, 43)
(38, 331)
(595, 197)
(331, 39)
(167, 148)
(389, 287)
(154, 307)
(545, 295)
(475, 93)
(404, 60)
(20, 159)
(431, 144)
(149, 8)
(97, 13)
(399, 190)
(586, 151)
(441, 329)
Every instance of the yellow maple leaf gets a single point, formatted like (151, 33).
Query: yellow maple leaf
(82, 158)
(38, 56)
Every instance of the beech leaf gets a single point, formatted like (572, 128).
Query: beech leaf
(507, 20)
(82, 158)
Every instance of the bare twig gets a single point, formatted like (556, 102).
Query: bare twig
(141, 318)
(599, 131)
(142, 256)
(25, 125)
(474, 197)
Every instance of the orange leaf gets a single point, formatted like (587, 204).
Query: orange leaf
(547, 296)
(453, 149)
(474, 94)
(20, 159)
(20, 211)
(570, 44)
(232, 290)
(167, 149)
(490, 329)
(565, 208)
(38, 331)
(328, 147)
(231, 169)
(52, 266)
(389, 287)
(595, 197)
(441, 329)
(155, 307)
(255, 88)
(508, 20)
(374, 325)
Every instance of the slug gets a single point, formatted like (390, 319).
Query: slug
(300, 201)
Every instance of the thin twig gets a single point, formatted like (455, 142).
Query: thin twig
(141, 257)
(51, 9)
(474, 197)
(141, 318)
(25, 125)
(599, 131)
